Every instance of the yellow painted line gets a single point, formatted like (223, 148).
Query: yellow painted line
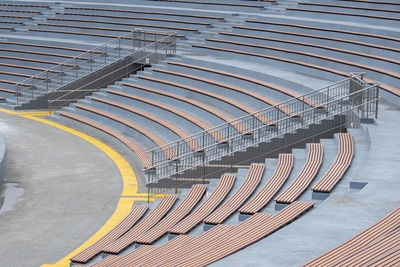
(128, 196)
(36, 113)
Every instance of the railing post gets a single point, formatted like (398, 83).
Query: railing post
(47, 81)
(76, 67)
(105, 54)
(119, 48)
(91, 60)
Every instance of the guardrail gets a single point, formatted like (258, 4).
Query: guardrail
(349, 95)
(137, 42)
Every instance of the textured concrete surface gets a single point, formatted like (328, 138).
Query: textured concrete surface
(346, 212)
(58, 191)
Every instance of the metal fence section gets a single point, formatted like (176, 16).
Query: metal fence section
(349, 96)
(141, 44)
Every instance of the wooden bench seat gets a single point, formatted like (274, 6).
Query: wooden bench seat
(24, 5)
(113, 29)
(249, 231)
(253, 178)
(11, 22)
(278, 178)
(213, 3)
(38, 61)
(374, 2)
(361, 241)
(22, 75)
(248, 79)
(16, 83)
(29, 67)
(8, 91)
(125, 17)
(178, 131)
(386, 87)
(230, 101)
(42, 53)
(345, 14)
(140, 153)
(314, 28)
(255, 95)
(94, 34)
(168, 151)
(332, 59)
(339, 166)
(193, 197)
(16, 17)
(143, 226)
(6, 28)
(215, 134)
(126, 223)
(350, 7)
(372, 56)
(51, 47)
(238, 126)
(144, 12)
(217, 196)
(103, 263)
(306, 175)
(20, 11)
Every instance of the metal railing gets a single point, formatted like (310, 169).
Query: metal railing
(138, 42)
(349, 95)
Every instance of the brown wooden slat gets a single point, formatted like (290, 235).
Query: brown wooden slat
(38, 61)
(153, 218)
(17, 83)
(22, 75)
(306, 175)
(273, 185)
(126, 223)
(29, 67)
(50, 46)
(350, 7)
(140, 153)
(253, 178)
(20, 11)
(213, 3)
(224, 186)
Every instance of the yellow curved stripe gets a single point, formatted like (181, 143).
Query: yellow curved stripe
(128, 195)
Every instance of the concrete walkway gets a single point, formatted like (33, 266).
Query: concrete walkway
(58, 191)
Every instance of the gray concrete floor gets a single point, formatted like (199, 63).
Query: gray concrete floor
(58, 191)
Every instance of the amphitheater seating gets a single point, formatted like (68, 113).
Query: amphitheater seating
(225, 184)
(216, 3)
(253, 178)
(248, 232)
(306, 175)
(42, 53)
(216, 135)
(143, 226)
(168, 151)
(339, 166)
(273, 185)
(136, 213)
(238, 126)
(386, 87)
(38, 61)
(182, 134)
(29, 68)
(50, 47)
(375, 246)
(144, 158)
(22, 75)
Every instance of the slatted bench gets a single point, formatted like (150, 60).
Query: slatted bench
(144, 12)
(51, 47)
(238, 126)
(105, 262)
(22, 75)
(373, 2)
(41, 53)
(215, 134)
(38, 61)
(217, 196)
(24, 5)
(390, 223)
(125, 17)
(325, 58)
(349, 7)
(136, 213)
(339, 166)
(248, 79)
(386, 87)
(16, 83)
(255, 95)
(194, 196)
(8, 91)
(345, 14)
(214, 3)
(168, 151)
(29, 67)
(225, 99)
(20, 11)
(16, 17)
(248, 232)
(312, 28)
(278, 178)
(6, 28)
(345, 51)
(11, 22)
(193, 144)
(143, 226)
(306, 175)
(253, 178)
(140, 153)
